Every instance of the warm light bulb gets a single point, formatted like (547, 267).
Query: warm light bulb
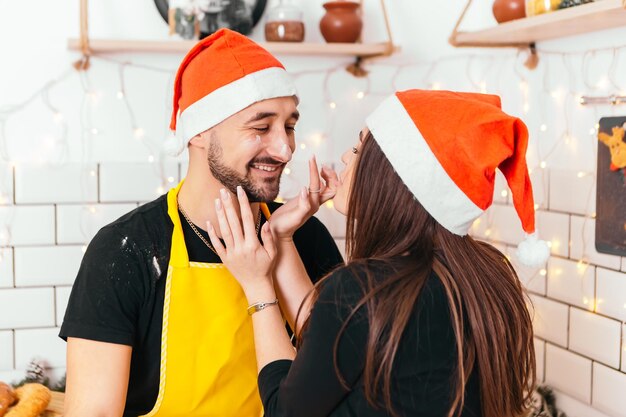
(120, 95)
(150, 158)
(330, 204)
(170, 179)
(92, 173)
(483, 87)
(526, 107)
(160, 190)
(94, 131)
(504, 193)
(84, 248)
(543, 127)
(543, 272)
(287, 171)
(592, 131)
(360, 95)
(488, 232)
(138, 132)
(332, 105)
(523, 85)
(536, 206)
(58, 117)
(279, 199)
(303, 146)
(435, 86)
(543, 164)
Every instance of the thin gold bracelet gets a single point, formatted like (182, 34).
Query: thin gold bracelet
(261, 306)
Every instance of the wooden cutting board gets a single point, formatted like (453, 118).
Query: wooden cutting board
(55, 408)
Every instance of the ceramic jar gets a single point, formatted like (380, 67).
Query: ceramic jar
(507, 10)
(342, 22)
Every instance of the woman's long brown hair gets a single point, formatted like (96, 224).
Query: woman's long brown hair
(489, 315)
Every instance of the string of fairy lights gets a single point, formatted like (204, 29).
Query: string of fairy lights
(482, 73)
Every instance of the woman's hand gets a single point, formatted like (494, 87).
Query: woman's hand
(293, 214)
(250, 262)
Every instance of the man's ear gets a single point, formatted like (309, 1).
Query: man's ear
(201, 140)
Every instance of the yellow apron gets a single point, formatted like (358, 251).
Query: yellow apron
(208, 361)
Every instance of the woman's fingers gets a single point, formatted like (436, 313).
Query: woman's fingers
(332, 181)
(215, 241)
(314, 179)
(247, 218)
(223, 223)
(231, 215)
(268, 241)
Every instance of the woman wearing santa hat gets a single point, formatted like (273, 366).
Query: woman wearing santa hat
(423, 320)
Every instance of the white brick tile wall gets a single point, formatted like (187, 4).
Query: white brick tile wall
(564, 198)
(47, 265)
(11, 375)
(29, 344)
(62, 295)
(500, 224)
(6, 347)
(595, 336)
(533, 278)
(582, 243)
(570, 283)
(540, 353)
(70, 183)
(624, 348)
(501, 191)
(28, 307)
(26, 225)
(550, 319)
(568, 372)
(6, 184)
(574, 408)
(540, 179)
(127, 182)
(79, 223)
(609, 389)
(554, 228)
(611, 293)
(6, 267)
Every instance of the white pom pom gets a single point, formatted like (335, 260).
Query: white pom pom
(173, 145)
(532, 251)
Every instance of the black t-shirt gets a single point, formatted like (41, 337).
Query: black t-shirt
(422, 374)
(119, 292)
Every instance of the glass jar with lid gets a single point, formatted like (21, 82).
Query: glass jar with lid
(535, 7)
(284, 23)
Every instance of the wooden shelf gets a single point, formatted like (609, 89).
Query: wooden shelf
(602, 14)
(279, 48)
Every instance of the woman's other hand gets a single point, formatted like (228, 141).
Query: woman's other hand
(293, 214)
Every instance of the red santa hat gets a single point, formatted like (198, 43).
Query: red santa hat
(446, 146)
(221, 75)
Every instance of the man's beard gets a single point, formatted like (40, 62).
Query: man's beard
(266, 191)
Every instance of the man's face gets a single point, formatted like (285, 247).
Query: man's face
(252, 147)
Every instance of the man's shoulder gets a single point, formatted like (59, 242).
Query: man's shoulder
(145, 223)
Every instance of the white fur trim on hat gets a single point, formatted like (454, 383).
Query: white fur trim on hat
(417, 166)
(173, 146)
(232, 98)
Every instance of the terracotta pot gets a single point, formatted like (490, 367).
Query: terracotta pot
(341, 23)
(506, 10)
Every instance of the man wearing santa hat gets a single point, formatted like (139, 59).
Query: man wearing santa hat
(155, 324)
